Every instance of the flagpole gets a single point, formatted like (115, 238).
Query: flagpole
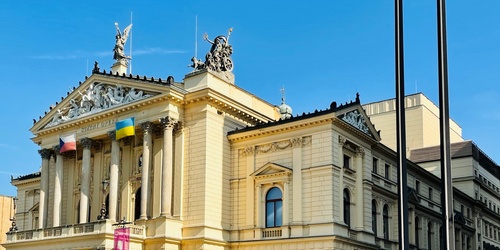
(448, 235)
(400, 129)
(196, 37)
(130, 69)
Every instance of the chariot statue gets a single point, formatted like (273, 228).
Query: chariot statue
(219, 57)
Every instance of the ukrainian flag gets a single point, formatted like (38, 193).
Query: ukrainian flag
(125, 128)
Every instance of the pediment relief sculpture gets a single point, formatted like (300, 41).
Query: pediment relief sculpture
(96, 97)
(356, 119)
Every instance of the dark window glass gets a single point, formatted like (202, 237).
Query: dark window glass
(374, 217)
(274, 208)
(347, 208)
(386, 222)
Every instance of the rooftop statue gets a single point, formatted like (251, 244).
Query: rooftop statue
(121, 39)
(219, 57)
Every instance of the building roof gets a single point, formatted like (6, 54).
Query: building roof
(458, 150)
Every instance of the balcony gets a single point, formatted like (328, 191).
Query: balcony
(97, 230)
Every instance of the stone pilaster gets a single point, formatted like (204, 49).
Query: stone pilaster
(167, 166)
(85, 179)
(147, 129)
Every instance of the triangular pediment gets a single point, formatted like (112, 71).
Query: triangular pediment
(412, 195)
(97, 94)
(356, 117)
(271, 169)
(34, 207)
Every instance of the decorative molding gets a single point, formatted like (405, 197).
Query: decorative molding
(147, 127)
(248, 151)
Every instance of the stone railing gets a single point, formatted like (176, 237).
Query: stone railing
(98, 227)
(272, 233)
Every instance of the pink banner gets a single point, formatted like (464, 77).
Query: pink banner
(122, 238)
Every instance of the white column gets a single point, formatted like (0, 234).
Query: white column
(147, 128)
(167, 166)
(85, 180)
(113, 176)
(58, 182)
(44, 187)
(359, 189)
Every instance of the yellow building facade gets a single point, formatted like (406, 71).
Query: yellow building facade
(212, 166)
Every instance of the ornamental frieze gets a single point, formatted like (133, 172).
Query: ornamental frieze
(96, 98)
(275, 146)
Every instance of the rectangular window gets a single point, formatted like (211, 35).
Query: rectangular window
(387, 171)
(430, 193)
(347, 161)
(417, 186)
(375, 165)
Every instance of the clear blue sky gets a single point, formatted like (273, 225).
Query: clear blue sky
(321, 51)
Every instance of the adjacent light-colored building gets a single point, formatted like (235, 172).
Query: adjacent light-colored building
(212, 166)
(7, 208)
(422, 122)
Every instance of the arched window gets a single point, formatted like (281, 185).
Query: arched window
(274, 208)
(417, 231)
(386, 221)
(347, 208)
(429, 235)
(374, 217)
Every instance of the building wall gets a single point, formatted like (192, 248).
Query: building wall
(422, 122)
(6, 213)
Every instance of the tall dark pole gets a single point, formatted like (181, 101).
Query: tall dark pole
(400, 130)
(448, 235)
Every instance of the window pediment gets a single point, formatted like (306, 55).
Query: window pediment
(271, 170)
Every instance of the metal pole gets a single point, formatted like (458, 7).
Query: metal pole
(400, 130)
(448, 235)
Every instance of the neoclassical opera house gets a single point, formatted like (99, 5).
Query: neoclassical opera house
(211, 166)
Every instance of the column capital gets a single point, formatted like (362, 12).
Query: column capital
(45, 153)
(112, 135)
(86, 143)
(360, 152)
(147, 127)
(168, 122)
(56, 150)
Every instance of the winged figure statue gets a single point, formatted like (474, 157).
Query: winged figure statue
(121, 39)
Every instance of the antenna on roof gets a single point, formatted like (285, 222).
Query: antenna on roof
(130, 44)
(196, 37)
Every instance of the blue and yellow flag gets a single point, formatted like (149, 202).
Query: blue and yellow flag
(125, 128)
